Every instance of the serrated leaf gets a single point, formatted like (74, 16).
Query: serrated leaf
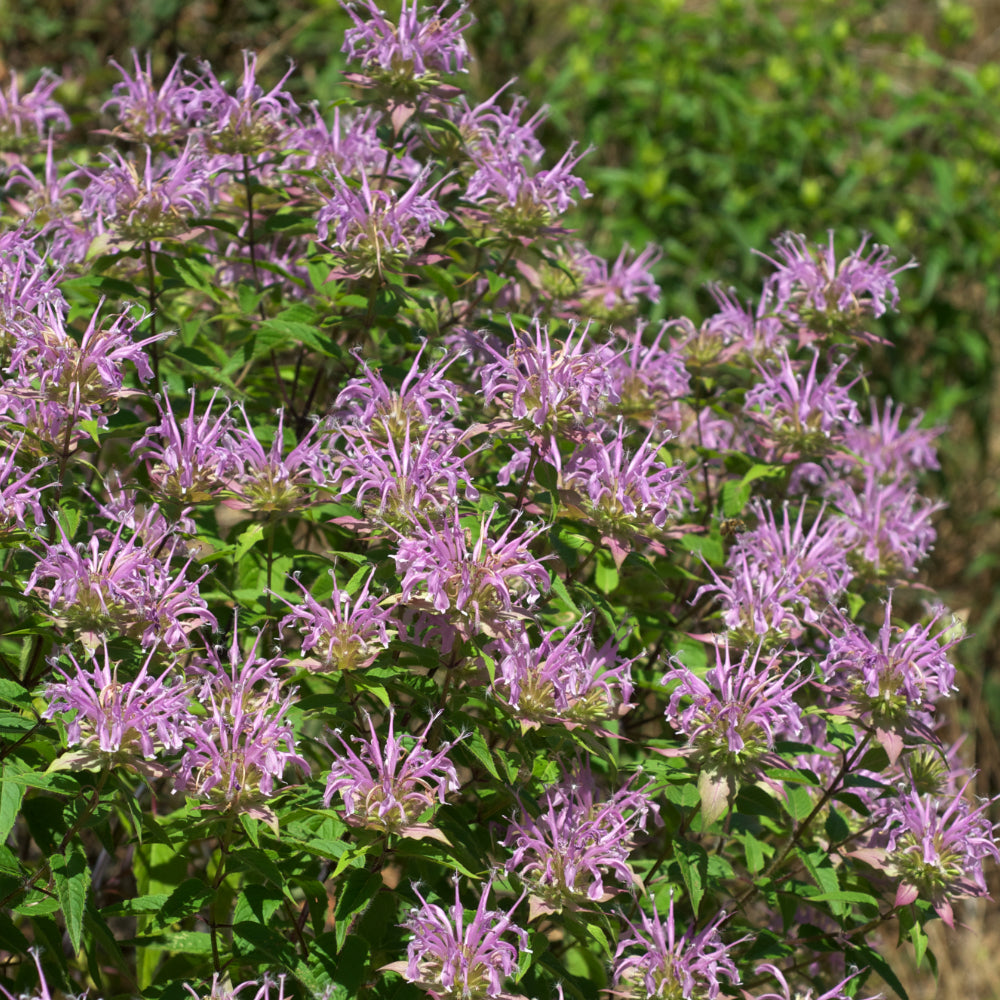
(258, 904)
(845, 896)
(476, 745)
(182, 942)
(14, 694)
(71, 876)
(919, 939)
(716, 791)
(865, 957)
(693, 862)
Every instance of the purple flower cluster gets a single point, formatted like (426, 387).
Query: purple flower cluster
(936, 848)
(116, 585)
(665, 964)
(26, 119)
(564, 854)
(784, 576)
(733, 716)
(346, 634)
(824, 295)
(391, 783)
(120, 720)
(564, 677)
(455, 958)
(240, 748)
(479, 583)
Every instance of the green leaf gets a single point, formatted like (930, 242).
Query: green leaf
(476, 745)
(258, 904)
(559, 588)
(258, 861)
(717, 792)
(844, 896)
(14, 694)
(359, 889)
(152, 903)
(183, 942)
(693, 862)
(754, 853)
(709, 547)
(11, 795)
(251, 826)
(71, 875)
(191, 896)
(821, 871)
(352, 964)
(919, 939)
(605, 572)
(867, 957)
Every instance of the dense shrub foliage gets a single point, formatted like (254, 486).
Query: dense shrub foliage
(388, 610)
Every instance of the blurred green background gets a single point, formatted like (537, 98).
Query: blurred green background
(716, 126)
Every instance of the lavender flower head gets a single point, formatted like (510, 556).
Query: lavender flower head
(479, 584)
(147, 113)
(812, 288)
(886, 522)
(373, 229)
(30, 298)
(345, 635)
(565, 677)
(669, 966)
(936, 848)
(18, 493)
(651, 380)
(26, 119)
(489, 134)
(272, 483)
(151, 200)
(565, 853)
(117, 721)
(454, 958)
(241, 747)
(783, 576)
(891, 451)
(407, 58)
(522, 202)
(191, 460)
(607, 292)
(116, 584)
(414, 480)
(349, 146)
(425, 399)
(894, 682)
(834, 993)
(251, 121)
(733, 716)
(625, 494)
(391, 783)
(83, 371)
(800, 415)
(545, 384)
